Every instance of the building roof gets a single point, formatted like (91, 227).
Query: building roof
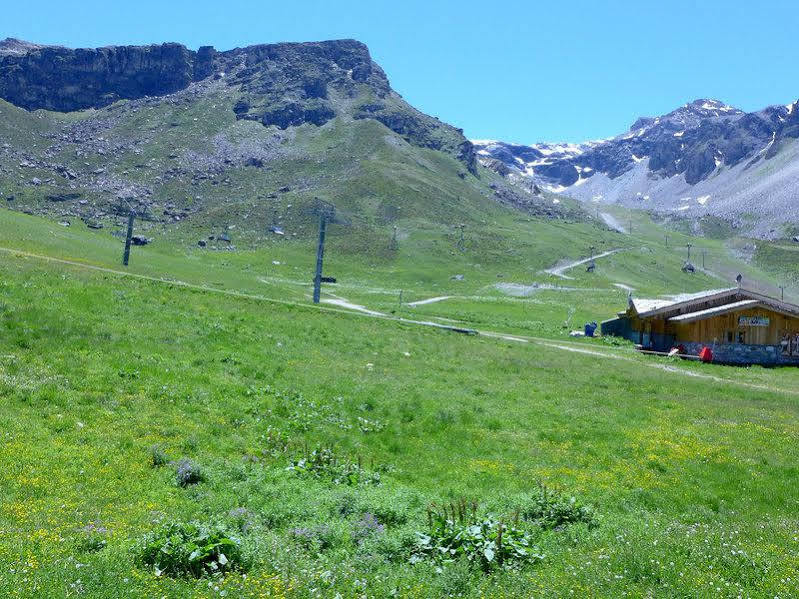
(733, 299)
(718, 310)
(649, 307)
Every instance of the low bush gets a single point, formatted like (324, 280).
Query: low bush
(93, 537)
(190, 549)
(316, 538)
(188, 472)
(458, 533)
(553, 509)
(367, 527)
(323, 463)
(392, 507)
(158, 457)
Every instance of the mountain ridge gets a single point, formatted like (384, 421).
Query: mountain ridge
(705, 157)
(61, 79)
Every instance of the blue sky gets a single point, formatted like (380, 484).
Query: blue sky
(518, 71)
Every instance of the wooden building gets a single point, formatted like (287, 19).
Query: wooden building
(740, 326)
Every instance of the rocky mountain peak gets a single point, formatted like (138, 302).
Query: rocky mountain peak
(12, 46)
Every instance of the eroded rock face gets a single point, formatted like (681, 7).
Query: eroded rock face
(65, 80)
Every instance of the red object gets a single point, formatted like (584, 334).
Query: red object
(706, 355)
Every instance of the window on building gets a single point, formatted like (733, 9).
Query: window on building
(741, 336)
(729, 337)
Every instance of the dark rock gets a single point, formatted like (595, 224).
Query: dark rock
(204, 62)
(62, 79)
(294, 113)
(64, 197)
(255, 162)
(66, 173)
(498, 167)
(202, 243)
(140, 240)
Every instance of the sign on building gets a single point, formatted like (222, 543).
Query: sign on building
(753, 321)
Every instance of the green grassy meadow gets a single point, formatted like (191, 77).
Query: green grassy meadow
(108, 382)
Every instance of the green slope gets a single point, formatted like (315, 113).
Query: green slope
(691, 479)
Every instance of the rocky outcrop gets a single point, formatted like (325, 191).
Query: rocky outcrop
(420, 129)
(65, 80)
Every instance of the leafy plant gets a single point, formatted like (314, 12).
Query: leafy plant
(456, 532)
(193, 549)
(158, 457)
(241, 518)
(188, 472)
(368, 526)
(323, 463)
(552, 509)
(370, 426)
(94, 537)
(313, 538)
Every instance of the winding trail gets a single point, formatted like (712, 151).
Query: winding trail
(337, 301)
(559, 270)
(431, 300)
(345, 307)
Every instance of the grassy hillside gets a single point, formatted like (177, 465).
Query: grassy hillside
(193, 171)
(683, 484)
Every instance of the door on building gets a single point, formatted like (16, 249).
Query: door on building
(790, 343)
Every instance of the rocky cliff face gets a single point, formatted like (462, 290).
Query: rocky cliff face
(65, 80)
(281, 85)
(704, 158)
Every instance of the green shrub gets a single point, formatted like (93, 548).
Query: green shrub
(93, 537)
(158, 457)
(323, 463)
(392, 507)
(552, 509)
(188, 472)
(190, 549)
(461, 534)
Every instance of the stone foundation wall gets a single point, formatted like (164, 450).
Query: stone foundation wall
(737, 353)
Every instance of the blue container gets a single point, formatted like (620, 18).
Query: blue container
(590, 328)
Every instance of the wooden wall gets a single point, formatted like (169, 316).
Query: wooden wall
(716, 328)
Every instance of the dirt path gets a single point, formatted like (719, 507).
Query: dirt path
(431, 300)
(559, 270)
(337, 301)
(344, 307)
(666, 368)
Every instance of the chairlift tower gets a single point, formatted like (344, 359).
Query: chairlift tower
(327, 213)
(128, 237)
